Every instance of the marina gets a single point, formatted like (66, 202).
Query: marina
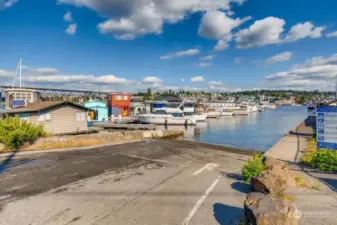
(256, 131)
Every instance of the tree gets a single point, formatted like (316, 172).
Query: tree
(149, 92)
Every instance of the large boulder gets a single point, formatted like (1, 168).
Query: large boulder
(281, 169)
(269, 183)
(260, 209)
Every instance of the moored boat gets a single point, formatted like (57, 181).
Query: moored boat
(212, 113)
(166, 117)
(227, 112)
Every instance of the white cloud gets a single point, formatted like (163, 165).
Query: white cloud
(68, 17)
(303, 30)
(152, 80)
(262, 32)
(205, 64)
(281, 57)
(215, 83)
(197, 79)
(132, 18)
(270, 31)
(7, 3)
(332, 34)
(188, 52)
(221, 45)
(237, 60)
(313, 72)
(71, 30)
(208, 57)
(217, 25)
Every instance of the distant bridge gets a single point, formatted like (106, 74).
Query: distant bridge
(54, 91)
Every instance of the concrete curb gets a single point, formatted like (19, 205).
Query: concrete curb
(5, 155)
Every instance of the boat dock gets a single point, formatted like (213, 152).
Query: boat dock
(109, 125)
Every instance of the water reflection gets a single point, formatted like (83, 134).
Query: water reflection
(257, 131)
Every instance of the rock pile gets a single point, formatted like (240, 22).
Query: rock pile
(265, 206)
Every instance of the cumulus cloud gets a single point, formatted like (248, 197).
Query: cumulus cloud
(71, 30)
(7, 3)
(332, 34)
(217, 25)
(281, 57)
(221, 45)
(133, 18)
(303, 30)
(188, 52)
(205, 64)
(314, 71)
(270, 31)
(208, 57)
(197, 79)
(152, 80)
(68, 17)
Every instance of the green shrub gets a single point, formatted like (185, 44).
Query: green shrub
(253, 167)
(322, 159)
(15, 132)
(326, 160)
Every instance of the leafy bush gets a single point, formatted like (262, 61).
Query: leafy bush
(326, 160)
(253, 167)
(15, 132)
(322, 159)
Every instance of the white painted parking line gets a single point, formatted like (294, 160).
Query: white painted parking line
(208, 166)
(200, 201)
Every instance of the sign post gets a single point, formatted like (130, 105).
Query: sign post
(327, 127)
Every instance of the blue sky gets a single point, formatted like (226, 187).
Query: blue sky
(129, 45)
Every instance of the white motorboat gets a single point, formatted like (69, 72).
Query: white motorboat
(167, 116)
(241, 111)
(212, 113)
(271, 106)
(227, 112)
(191, 110)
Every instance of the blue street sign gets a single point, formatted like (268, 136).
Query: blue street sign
(327, 127)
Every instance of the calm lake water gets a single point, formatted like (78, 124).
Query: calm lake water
(257, 131)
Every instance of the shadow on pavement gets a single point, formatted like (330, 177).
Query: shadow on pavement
(241, 187)
(235, 176)
(6, 163)
(331, 183)
(227, 215)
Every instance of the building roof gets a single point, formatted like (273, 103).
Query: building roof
(38, 106)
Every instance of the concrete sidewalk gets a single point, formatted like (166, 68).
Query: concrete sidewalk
(317, 206)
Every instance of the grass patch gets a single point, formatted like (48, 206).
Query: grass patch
(253, 167)
(289, 198)
(300, 182)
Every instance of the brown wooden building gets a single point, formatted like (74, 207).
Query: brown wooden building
(57, 117)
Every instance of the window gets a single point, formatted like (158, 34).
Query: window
(80, 116)
(125, 97)
(44, 117)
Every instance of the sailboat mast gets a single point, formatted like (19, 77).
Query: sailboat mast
(20, 72)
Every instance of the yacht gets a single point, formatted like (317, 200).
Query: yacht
(212, 113)
(167, 116)
(227, 112)
(192, 110)
(241, 111)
